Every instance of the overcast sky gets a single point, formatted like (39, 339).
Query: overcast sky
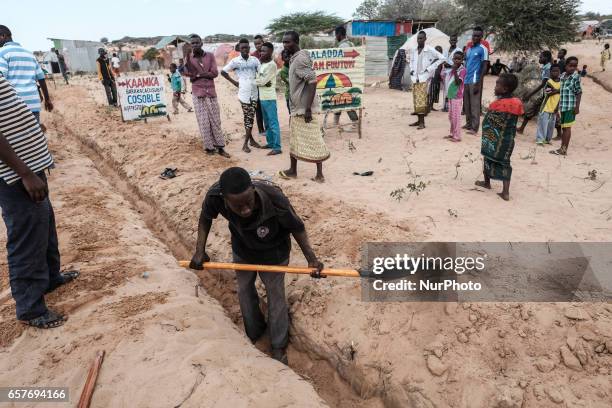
(33, 21)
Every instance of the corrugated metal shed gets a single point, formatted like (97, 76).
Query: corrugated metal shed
(372, 28)
(377, 59)
(171, 40)
(79, 55)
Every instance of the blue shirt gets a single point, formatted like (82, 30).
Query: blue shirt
(474, 57)
(20, 68)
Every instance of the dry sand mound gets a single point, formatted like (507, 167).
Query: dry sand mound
(165, 347)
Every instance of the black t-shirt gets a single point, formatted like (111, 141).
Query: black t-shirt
(263, 238)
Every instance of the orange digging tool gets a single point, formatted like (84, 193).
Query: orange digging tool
(90, 384)
(304, 270)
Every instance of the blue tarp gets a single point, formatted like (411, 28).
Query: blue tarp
(373, 28)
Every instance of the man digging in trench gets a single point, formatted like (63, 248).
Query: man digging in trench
(260, 220)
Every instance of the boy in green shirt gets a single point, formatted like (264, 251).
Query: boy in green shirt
(266, 82)
(176, 82)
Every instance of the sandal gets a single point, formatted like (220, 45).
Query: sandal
(168, 173)
(283, 175)
(49, 320)
(559, 152)
(67, 276)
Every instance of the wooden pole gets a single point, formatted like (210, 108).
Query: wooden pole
(360, 121)
(303, 270)
(90, 384)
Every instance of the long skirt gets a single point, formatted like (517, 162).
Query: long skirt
(306, 141)
(419, 95)
(209, 121)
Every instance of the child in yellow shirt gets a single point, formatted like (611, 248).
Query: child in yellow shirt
(550, 107)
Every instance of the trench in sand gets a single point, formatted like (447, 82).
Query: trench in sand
(304, 357)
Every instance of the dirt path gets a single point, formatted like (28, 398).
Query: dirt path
(165, 346)
(415, 354)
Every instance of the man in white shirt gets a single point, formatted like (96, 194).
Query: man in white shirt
(115, 64)
(424, 61)
(245, 66)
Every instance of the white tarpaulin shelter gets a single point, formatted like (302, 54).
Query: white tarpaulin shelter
(434, 37)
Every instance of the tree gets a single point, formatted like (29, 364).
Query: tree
(369, 10)
(104, 40)
(526, 25)
(151, 54)
(304, 23)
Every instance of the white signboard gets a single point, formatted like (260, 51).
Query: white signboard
(141, 97)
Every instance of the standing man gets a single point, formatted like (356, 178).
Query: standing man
(61, 61)
(201, 68)
(115, 63)
(245, 66)
(424, 62)
(344, 42)
(32, 248)
(306, 139)
(258, 41)
(22, 71)
(105, 75)
(266, 83)
(477, 64)
(261, 220)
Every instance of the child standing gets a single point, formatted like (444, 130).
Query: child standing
(569, 104)
(266, 82)
(284, 76)
(453, 84)
(605, 56)
(176, 81)
(498, 132)
(550, 107)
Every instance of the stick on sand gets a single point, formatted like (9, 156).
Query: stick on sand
(304, 270)
(90, 384)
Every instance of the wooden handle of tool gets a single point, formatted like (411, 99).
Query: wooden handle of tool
(88, 389)
(304, 270)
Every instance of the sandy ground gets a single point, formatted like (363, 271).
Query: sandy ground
(409, 354)
(165, 346)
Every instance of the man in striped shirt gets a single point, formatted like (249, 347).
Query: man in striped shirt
(20, 68)
(32, 247)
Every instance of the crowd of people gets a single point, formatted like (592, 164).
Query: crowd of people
(555, 101)
(261, 218)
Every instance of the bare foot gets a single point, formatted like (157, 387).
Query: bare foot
(318, 179)
(245, 148)
(483, 184)
(504, 196)
(254, 144)
(414, 124)
(421, 127)
(471, 132)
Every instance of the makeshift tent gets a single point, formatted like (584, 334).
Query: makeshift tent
(174, 40)
(435, 37)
